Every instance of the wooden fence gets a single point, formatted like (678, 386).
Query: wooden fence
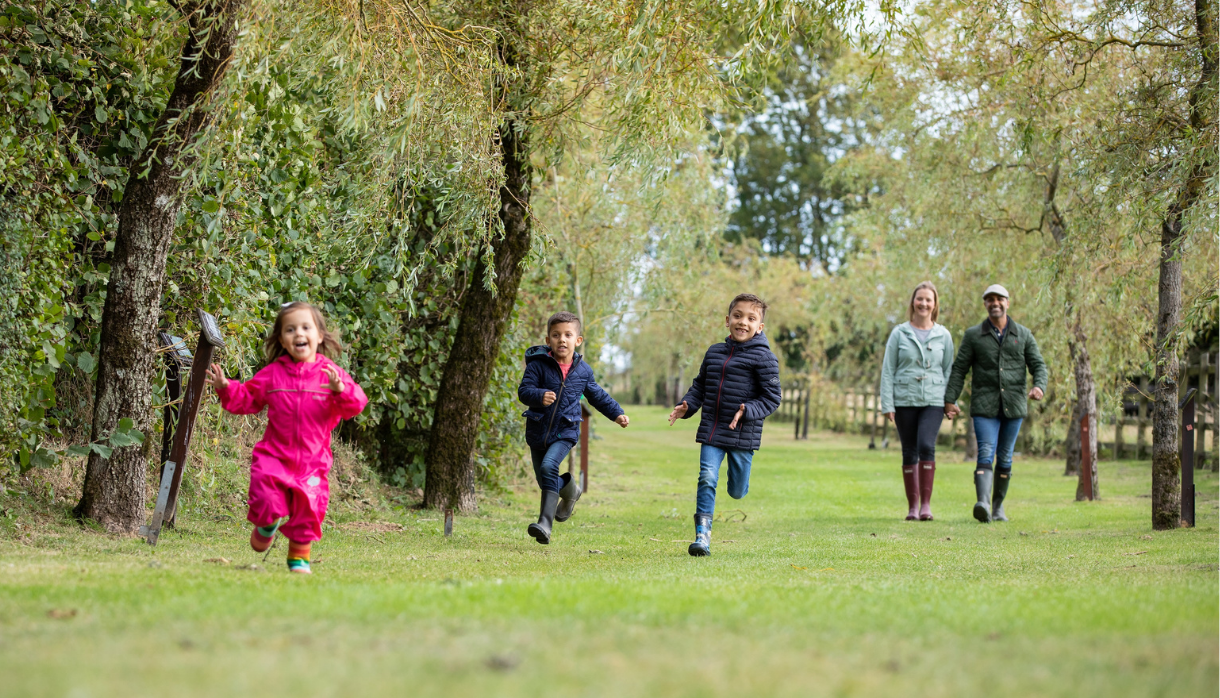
(1198, 370)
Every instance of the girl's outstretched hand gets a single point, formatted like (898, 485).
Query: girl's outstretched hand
(678, 412)
(740, 411)
(622, 420)
(216, 377)
(336, 383)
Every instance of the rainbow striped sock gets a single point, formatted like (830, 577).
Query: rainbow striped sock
(298, 557)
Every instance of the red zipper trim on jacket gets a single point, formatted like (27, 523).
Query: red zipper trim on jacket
(719, 387)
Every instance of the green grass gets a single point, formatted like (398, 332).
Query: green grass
(823, 591)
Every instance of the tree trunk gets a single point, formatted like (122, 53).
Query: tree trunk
(484, 320)
(113, 493)
(1166, 463)
(1085, 407)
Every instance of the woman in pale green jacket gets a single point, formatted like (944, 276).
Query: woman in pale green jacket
(918, 358)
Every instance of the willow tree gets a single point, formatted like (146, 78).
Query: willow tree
(643, 72)
(114, 486)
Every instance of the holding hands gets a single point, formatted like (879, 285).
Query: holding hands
(952, 410)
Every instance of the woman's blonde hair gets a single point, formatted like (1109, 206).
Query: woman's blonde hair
(330, 346)
(935, 300)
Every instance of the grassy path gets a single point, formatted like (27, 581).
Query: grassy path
(822, 590)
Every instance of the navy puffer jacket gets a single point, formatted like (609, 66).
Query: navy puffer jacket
(559, 421)
(735, 373)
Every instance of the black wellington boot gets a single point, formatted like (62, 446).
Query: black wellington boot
(1001, 491)
(702, 547)
(569, 492)
(982, 488)
(541, 531)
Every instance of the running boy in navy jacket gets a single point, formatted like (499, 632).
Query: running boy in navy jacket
(555, 379)
(738, 387)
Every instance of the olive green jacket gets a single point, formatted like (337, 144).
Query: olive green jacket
(999, 372)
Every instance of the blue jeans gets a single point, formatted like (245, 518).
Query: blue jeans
(546, 463)
(710, 459)
(997, 436)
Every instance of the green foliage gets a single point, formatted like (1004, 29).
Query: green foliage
(82, 86)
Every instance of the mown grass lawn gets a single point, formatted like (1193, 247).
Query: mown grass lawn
(822, 590)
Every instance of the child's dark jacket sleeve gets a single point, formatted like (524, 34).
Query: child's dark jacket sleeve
(694, 396)
(767, 372)
(531, 389)
(601, 400)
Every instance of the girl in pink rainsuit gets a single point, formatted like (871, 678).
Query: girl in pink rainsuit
(306, 395)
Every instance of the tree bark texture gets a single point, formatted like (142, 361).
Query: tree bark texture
(450, 475)
(1166, 462)
(1085, 407)
(114, 488)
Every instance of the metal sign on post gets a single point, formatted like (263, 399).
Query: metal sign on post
(1187, 457)
(171, 474)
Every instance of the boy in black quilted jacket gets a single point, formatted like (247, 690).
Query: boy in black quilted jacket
(737, 387)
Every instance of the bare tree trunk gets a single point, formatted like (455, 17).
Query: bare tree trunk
(1086, 406)
(113, 493)
(1166, 463)
(484, 320)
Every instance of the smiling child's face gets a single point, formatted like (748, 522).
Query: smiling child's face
(744, 321)
(300, 336)
(563, 338)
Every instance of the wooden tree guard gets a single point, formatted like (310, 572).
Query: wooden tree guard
(1086, 462)
(1187, 406)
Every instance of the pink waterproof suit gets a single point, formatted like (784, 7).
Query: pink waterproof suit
(289, 468)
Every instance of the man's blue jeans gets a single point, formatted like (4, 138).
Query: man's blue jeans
(997, 436)
(546, 463)
(710, 459)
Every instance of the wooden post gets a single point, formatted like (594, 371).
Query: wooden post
(167, 497)
(1141, 438)
(805, 429)
(872, 435)
(1086, 462)
(1200, 429)
(585, 425)
(1188, 457)
(1119, 426)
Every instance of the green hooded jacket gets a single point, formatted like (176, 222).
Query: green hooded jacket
(999, 371)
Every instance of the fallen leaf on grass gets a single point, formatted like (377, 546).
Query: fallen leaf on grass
(218, 560)
(596, 552)
(728, 541)
(62, 613)
(1145, 537)
(1023, 533)
(799, 568)
(251, 567)
(1141, 552)
(1071, 556)
(948, 538)
(656, 539)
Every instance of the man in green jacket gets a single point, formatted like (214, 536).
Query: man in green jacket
(999, 350)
